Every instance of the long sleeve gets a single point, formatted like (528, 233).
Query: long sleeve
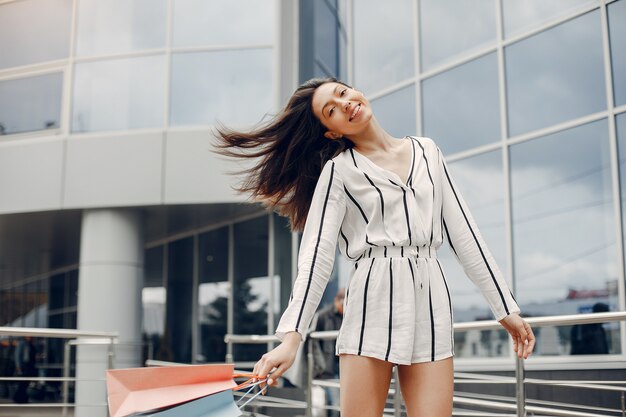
(316, 255)
(469, 248)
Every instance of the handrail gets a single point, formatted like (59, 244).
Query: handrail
(73, 337)
(57, 333)
(519, 406)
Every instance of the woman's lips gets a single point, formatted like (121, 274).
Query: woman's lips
(356, 112)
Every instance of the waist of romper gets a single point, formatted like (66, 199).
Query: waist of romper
(399, 252)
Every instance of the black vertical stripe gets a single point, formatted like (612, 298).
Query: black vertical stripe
(382, 200)
(390, 308)
(351, 197)
(409, 181)
(445, 226)
(367, 280)
(432, 324)
(412, 273)
(406, 213)
(493, 277)
(432, 183)
(317, 244)
(345, 239)
(449, 301)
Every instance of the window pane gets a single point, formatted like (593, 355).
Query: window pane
(326, 35)
(382, 57)
(213, 295)
(177, 335)
(119, 26)
(617, 35)
(461, 105)
(29, 104)
(119, 94)
(229, 22)
(252, 285)
(481, 181)
(620, 127)
(282, 264)
(525, 15)
(396, 112)
(564, 231)
(153, 303)
(33, 31)
(449, 28)
(556, 75)
(234, 87)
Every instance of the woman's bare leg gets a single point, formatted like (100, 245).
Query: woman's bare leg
(427, 388)
(364, 385)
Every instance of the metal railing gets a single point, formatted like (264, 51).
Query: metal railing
(72, 338)
(519, 407)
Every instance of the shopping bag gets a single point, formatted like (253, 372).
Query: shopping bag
(221, 404)
(136, 390)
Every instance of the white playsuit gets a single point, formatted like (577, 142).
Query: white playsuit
(397, 306)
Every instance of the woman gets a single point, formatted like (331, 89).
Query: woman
(329, 165)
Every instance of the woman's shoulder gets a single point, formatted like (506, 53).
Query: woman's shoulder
(425, 141)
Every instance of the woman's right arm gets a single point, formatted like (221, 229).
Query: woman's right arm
(316, 258)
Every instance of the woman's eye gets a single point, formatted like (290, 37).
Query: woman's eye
(330, 112)
(342, 93)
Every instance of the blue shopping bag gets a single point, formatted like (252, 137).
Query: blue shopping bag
(221, 404)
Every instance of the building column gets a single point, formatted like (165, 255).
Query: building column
(109, 298)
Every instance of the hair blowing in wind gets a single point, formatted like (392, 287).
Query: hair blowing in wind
(292, 151)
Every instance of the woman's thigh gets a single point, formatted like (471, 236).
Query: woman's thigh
(364, 385)
(427, 388)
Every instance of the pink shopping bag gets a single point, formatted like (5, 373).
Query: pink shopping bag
(138, 390)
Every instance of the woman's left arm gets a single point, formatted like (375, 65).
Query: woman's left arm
(470, 249)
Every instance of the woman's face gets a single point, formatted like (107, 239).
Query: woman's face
(342, 110)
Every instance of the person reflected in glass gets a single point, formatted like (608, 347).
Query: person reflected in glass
(388, 203)
(590, 339)
(325, 362)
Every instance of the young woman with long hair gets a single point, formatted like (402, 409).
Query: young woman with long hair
(389, 203)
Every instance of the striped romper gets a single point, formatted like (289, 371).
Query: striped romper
(397, 306)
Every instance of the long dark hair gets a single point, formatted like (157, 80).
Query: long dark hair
(293, 150)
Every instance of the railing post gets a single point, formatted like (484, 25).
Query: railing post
(309, 377)
(397, 398)
(520, 392)
(66, 375)
(623, 405)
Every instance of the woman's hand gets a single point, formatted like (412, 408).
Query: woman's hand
(522, 334)
(281, 358)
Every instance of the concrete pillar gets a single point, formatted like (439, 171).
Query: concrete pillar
(109, 298)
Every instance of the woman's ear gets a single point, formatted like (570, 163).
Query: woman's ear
(332, 135)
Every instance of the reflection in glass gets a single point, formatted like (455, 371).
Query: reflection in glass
(396, 111)
(326, 39)
(213, 295)
(620, 128)
(564, 231)
(33, 31)
(480, 180)
(119, 94)
(252, 286)
(556, 75)
(234, 87)
(617, 39)
(282, 264)
(525, 15)
(31, 104)
(153, 297)
(382, 57)
(449, 28)
(217, 22)
(461, 105)
(179, 298)
(120, 26)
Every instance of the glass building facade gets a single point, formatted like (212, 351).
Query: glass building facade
(527, 101)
